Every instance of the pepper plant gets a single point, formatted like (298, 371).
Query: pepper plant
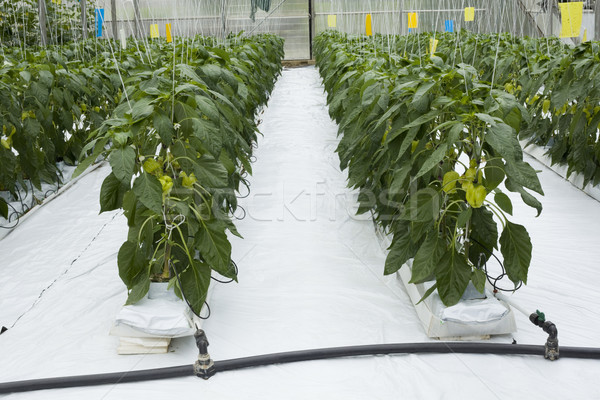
(180, 142)
(428, 144)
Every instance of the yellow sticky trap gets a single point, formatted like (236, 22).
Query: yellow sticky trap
(168, 30)
(433, 46)
(331, 21)
(413, 21)
(584, 36)
(369, 26)
(154, 31)
(470, 14)
(571, 14)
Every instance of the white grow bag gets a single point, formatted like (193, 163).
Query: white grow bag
(476, 316)
(148, 326)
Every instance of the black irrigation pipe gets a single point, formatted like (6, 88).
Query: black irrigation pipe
(295, 356)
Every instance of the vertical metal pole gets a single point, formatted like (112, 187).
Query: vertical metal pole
(113, 13)
(137, 16)
(597, 20)
(42, 14)
(551, 11)
(311, 26)
(223, 19)
(83, 20)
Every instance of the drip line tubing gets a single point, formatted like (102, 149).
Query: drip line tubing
(295, 356)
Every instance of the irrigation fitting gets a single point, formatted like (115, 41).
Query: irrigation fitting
(204, 367)
(551, 349)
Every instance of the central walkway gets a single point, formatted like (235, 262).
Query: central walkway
(307, 263)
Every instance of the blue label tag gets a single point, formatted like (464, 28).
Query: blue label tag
(99, 21)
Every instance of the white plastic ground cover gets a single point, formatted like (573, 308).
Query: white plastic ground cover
(29, 199)
(310, 277)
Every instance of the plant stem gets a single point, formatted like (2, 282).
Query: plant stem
(165, 273)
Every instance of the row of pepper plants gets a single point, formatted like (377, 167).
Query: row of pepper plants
(558, 84)
(177, 123)
(50, 99)
(432, 149)
(180, 146)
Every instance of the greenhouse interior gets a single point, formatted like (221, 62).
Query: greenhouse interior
(181, 181)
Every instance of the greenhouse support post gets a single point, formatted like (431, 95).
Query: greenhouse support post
(138, 22)
(42, 14)
(113, 14)
(311, 26)
(597, 20)
(83, 20)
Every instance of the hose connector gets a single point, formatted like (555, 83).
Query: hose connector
(204, 367)
(551, 349)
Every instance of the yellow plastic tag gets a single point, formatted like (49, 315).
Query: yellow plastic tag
(168, 30)
(154, 31)
(571, 14)
(584, 36)
(469, 13)
(413, 21)
(331, 21)
(433, 46)
(369, 26)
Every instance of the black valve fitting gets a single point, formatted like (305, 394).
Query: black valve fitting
(551, 351)
(204, 367)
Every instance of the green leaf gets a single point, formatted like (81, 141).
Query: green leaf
(494, 173)
(111, 193)
(148, 190)
(215, 248)
(423, 206)
(164, 127)
(130, 263)
(433, 160)
(122, 161)
(427, 258)
(139, 289)
(478, 278)
(211, 172)
(422, 90)
(488, 119)
(484, 235)
(528, 199)
(98, 149)
(523, 174)
(129, 207)
(208, 108)
(453, 275)
(463, 217)
(195, 280)
(516, 248)
(504, 141)
(210, 136)
(423, 119)
(3, 208)
(142, 109)
(400, 180)
(428, 292)
(503, 201)
(401, 250)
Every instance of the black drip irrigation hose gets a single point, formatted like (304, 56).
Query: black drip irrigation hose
(289, 357)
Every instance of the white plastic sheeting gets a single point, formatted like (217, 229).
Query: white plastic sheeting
(310, 277)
